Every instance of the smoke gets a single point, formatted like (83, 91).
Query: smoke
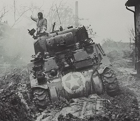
(17, 45)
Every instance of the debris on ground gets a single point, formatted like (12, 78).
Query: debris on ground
(11, 106)
(104, 108)
(123, 107)
(79, 107)
(15, 97)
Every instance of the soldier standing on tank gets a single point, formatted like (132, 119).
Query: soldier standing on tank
(41, 33)
(41, 23)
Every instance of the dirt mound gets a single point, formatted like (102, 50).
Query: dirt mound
(123, 107)
(15, 99)
(11, 106)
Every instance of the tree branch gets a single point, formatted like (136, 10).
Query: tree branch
(2, 15)
(19, 17)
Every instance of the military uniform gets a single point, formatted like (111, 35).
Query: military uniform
(41, 24)
(40, 44)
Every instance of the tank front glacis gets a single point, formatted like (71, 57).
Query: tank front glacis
(69, 67)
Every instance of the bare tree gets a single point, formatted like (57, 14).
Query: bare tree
(62, 14)
(19, 17)
(14, 10)
(3, 13)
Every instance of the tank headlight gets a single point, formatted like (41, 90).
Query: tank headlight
(53, 72)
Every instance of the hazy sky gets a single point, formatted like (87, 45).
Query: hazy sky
(109, 18)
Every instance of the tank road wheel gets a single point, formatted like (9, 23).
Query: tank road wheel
(41, 98)
(97, 84)
(110, 82)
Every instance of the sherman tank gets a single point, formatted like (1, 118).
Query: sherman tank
(68, 64)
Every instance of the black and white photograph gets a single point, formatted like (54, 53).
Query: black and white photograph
(69, 60)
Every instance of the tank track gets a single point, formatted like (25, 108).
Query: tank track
(110, 81)
(41, 98)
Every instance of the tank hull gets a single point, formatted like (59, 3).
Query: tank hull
(73, 66)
